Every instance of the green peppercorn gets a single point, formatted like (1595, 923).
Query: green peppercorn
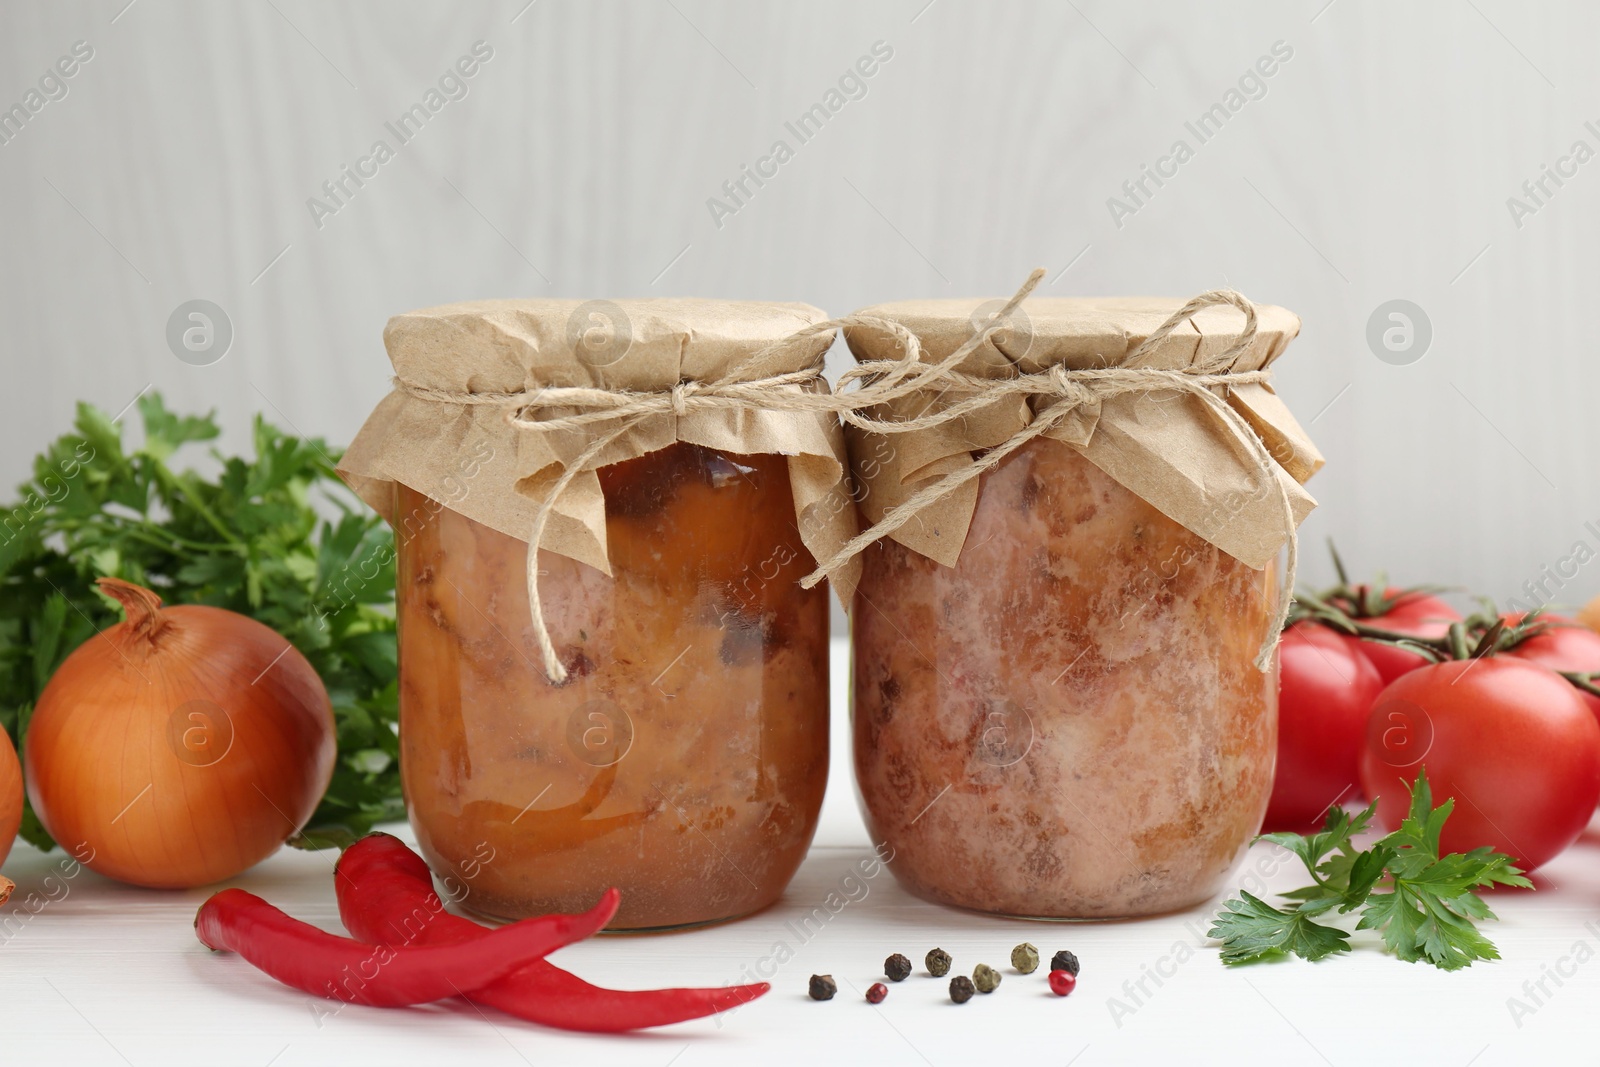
(938, 962)
(823, 987)
(897, 967)
(986, 978)
(1025, 958)
(1064, 961)
(960, 989)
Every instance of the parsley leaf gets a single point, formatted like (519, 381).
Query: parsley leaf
(1332, 860)
(1422, 904)
(277, 537)
(1251, 929)
(1429, 911)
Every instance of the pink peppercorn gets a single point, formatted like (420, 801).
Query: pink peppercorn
(1062, 982)
(876, 992)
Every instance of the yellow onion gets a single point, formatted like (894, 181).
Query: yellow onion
(180, 746)
(10, 805)
(1590, 615)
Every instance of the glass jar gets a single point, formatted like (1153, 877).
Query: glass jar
(1068, 723)
(1059, 704)
(684, 758)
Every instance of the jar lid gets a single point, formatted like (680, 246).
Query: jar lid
(1230, 473)
(507, 345)
(462, 371)
(1080, 332)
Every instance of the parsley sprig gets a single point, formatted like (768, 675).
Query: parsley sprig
(1422, 904)
(277, 537)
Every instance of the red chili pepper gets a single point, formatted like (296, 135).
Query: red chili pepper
(386, 897)
(385, 976)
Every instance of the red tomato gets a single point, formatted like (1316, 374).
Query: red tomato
(1415, 615)
(1563, 647)
(1509, 740)
(1326, 689)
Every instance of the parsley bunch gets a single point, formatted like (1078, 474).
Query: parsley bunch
(253, 539)
(1423, 904)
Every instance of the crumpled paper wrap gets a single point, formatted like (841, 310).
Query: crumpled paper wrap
(1163, 445)
(469, 457)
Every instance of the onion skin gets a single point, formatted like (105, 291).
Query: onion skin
(179, 747)
(10, 805)
(1590, 615)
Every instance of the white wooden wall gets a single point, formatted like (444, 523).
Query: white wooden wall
(1376, 165)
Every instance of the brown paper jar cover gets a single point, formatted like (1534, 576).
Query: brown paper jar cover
(1055, 706)
(683, 759)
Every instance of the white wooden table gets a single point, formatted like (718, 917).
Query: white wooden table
(110, 974)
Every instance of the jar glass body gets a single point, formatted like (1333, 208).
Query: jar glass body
(684, 758)
(1068, 723)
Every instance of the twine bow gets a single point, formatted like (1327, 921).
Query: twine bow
(1053, 394)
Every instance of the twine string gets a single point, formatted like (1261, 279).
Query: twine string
(553, 666)
(1051, 395)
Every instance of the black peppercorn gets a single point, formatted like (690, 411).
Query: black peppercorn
(823, 987)
(897, 967)
(961, 989)
(938, 962)
(1064, 961)
(876, 992)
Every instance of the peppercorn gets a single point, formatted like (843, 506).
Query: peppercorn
(1064, 961)
(1062, 982)
(961, 989)
(897, 967)
(823, 987)
(938, 962)
(876, 992)
(1025, 958)
(986, 978)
